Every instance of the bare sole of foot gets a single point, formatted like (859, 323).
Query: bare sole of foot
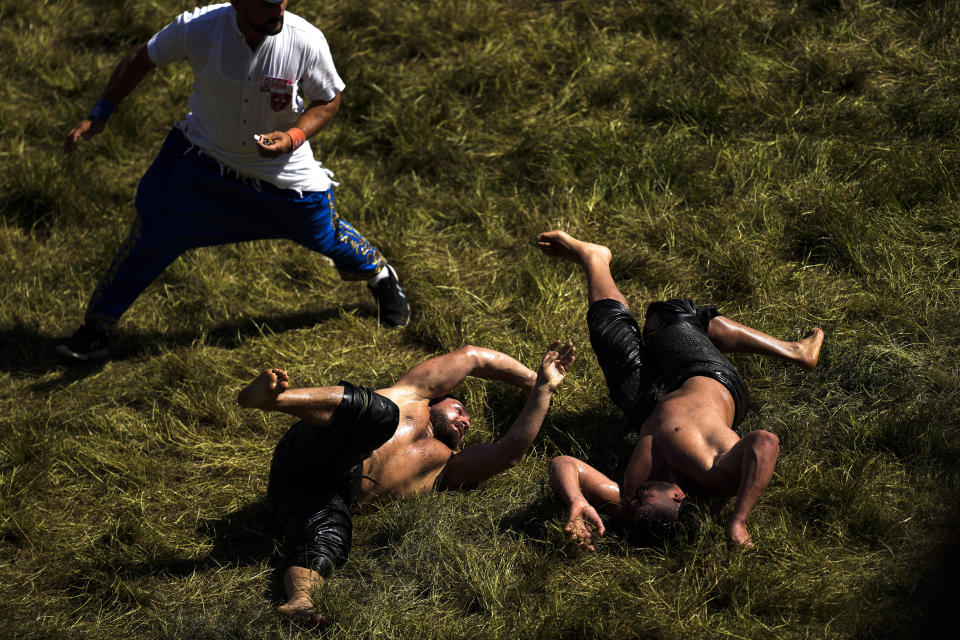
(561, 244)
(810, 349)
(307, 618)
(263, 391)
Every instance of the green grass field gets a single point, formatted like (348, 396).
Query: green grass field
(794, 162)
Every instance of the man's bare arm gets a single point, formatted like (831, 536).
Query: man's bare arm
(574, 479)
(125, 78)
(751, 461)
(315, 117)
(479, 462)
(438, 376)
(585, 491)
(638, 469)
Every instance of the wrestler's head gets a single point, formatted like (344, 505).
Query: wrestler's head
(658, 501)
(263, 17)
(449, 419)
(656, 512)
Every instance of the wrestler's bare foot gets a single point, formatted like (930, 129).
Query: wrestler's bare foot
(808, 349)
(263, 391)
(303, 614)
(561, 244)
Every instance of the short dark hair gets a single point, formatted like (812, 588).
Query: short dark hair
(654, 484)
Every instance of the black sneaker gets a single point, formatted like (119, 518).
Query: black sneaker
(88, 343)
(394, 310)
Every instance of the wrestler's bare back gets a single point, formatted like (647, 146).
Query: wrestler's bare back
(691, 431)
(411, 460)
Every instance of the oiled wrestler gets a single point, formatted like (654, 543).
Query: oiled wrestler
(354, 445)
(683, 397)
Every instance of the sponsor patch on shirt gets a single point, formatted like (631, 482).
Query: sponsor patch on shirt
(281, 91)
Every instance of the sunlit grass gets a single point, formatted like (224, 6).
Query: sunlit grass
(794, 162)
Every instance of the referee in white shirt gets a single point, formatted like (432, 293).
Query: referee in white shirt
(239, 166)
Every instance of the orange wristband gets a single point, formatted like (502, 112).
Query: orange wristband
(297, 137)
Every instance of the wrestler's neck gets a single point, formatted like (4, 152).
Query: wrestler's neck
(660, 471)
(668, 474)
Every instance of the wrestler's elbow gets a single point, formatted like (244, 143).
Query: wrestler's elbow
(473, 354)
(513, 460)
(766, 444)
(512, 454)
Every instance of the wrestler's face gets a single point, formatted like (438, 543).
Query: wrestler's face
(659, 503)
(266, 18)
(450, 422)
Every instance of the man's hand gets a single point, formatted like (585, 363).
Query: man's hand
(582, 521)
(86, 129)
(555, 365)
(738, 536)
(272, 145)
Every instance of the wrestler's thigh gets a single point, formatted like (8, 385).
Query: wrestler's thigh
(615, 338)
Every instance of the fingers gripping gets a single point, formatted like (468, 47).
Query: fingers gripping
(556, 364)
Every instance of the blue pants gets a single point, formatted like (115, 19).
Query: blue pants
(186, 200)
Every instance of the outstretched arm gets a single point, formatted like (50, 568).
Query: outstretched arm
(585, 491)
(479, 462)
(129, 73)
(749, 463)
(438, 376)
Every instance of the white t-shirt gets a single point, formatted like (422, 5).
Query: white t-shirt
(238, 92)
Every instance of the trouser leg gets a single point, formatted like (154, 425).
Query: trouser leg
(321, 229)
(142, 257)
(616, 341)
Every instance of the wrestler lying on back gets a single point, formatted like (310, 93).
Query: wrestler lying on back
(683, 397)
(353, 445)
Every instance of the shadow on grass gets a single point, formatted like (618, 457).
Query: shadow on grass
(241, 538)
(920, 602)
(601, 437)
(27, 351)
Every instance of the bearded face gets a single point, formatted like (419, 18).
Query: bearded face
(450, 422)
(265, 18)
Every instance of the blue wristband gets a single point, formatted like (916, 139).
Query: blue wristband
(102, 110)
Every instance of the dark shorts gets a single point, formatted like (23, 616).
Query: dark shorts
(640, 368)
(315, 478)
